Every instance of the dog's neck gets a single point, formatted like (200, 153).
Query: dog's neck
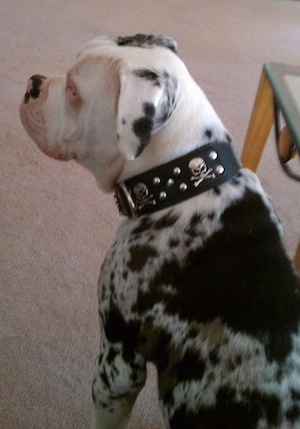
(178, 180)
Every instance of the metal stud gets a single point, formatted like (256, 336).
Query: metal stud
(176, 171)
(170, 182)
(213, 155)
(183, 187)
(156, 180)
(162, 195)
(220, 169)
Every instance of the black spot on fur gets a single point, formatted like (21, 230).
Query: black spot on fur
(117, 329)
(188, 243)
(143, 226)
(157, 342)
(235, 181)
(208, 133)
(228, 138)
(214, 357)
(147, 41)
(174, 242)
(295, 395)
(146, 224)
(190, 367)
(139, 257)
(165, 222)
(238, 360)
(293, 413)
(182, 419)
(143, 126)
(169, 101)
(149, 110)
(211, 216)
(260, 301)
(148, 75)
(111, 355)
(193, 224)
(193, 332)
(104, 378)
(217, 190)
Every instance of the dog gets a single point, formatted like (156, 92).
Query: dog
(197, 280)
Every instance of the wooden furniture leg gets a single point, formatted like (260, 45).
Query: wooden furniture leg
(260, 125)
(261, 121)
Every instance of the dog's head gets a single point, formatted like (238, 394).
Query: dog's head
(108, 107)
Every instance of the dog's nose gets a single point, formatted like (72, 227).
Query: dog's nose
(33, 87)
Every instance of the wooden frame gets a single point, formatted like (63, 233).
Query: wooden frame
(260, 125)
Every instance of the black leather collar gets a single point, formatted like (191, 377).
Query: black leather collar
(180, 179)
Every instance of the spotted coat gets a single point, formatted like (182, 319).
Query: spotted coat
(191, 290)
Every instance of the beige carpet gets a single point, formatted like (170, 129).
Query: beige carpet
(55, 225)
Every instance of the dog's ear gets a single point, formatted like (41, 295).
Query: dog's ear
(146, 101)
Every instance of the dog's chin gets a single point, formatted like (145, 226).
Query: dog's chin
(53, 152)
(56, 154)
(37, 133)
(34, 129)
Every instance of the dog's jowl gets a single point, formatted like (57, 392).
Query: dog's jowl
(197, 280)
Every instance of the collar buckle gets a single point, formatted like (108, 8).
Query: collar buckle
(124, 201)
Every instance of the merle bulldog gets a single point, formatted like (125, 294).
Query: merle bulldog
(197, 280)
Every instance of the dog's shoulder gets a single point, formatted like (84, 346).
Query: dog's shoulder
(218, 255)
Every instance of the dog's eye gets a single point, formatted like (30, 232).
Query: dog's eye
(72, 93)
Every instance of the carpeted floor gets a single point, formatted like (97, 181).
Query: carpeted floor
(55, 225)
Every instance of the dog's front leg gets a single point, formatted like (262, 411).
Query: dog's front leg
(117, 383)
